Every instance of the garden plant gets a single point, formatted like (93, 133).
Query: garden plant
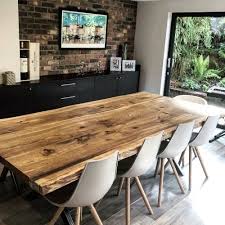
(199, 53)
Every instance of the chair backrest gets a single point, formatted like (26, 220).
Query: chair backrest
(206, 132)
(95, 181)
(146, 156)
(179, 140)
(191, 98)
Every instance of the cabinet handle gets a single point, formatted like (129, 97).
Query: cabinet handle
(70, 84)
(70, 97)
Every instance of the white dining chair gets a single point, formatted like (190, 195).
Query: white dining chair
(172, 148)
(142, 164)
(201, 138)
(95, 181)
(191, 98)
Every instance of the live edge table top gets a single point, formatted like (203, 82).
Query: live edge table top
(50, 149)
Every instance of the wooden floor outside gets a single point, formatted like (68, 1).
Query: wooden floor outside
(203, 206)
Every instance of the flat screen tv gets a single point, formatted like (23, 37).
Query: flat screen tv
(83, 29)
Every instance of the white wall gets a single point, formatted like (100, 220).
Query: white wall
(9, 37)
(152, 34)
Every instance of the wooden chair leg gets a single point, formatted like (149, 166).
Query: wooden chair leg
(190, 168)
(176, 175)
(161, 182)
(140, 187)
(77, 216)
(95, 215)
(56, 216)
(128, 220)
(120, 186)
(202, 163)
(157, 167)
(81, 213)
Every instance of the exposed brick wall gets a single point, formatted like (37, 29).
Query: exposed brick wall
(39, 21)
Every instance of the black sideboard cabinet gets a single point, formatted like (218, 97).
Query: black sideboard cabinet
(62, 90)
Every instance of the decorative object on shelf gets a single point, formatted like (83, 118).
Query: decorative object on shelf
(24, 57)
(9, 78)
(125, 46)
(29, 60)
(83, 29)
(34, 61)
(129, 65)
(115, 64)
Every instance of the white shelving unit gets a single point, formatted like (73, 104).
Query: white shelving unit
(33, 52)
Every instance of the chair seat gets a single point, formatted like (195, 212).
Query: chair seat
(62, 195)
(125, 164)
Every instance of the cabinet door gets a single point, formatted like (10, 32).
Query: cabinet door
(105, 86)
(67, 92)
(44, 97)
(128, 83)
(14, 101)
(85, 89)
(77, 90)
(59, 94)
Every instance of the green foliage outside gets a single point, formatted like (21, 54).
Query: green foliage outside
(199, 53)
(222, 83)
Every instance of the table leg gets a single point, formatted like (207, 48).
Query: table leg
(179, 170)
(15, 181)
(67, 218)
(4, 174)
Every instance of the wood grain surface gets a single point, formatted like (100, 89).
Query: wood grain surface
(50, 149)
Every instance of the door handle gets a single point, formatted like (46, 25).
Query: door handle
(168, 63)
(70, 84)
(69, 97)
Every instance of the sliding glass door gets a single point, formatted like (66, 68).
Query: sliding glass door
(196, 60)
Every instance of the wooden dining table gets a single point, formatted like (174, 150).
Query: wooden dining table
(50, 149)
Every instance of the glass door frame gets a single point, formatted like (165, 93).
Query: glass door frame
(172, 38)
